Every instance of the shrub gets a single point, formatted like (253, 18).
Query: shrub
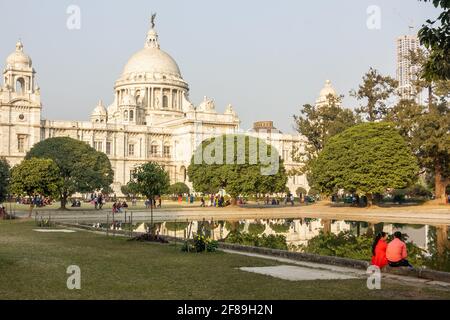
(280, 228)
(256, 228)
(247, 239)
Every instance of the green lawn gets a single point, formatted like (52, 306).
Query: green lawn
(33, 266)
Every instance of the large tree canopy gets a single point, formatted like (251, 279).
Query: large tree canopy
(368, 158)
(82, 168)
(247, 167)
(4, 179)
(150, 180)
(36, 177)
(178, 188)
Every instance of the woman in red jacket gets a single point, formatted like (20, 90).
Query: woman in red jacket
(379, 250)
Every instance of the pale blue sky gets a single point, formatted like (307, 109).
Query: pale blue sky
(267, 58)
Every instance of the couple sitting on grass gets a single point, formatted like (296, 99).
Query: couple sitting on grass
(393, 253)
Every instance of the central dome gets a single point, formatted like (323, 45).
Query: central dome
(152, 60)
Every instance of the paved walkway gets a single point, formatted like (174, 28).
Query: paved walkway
(433, 215)
(311, 271)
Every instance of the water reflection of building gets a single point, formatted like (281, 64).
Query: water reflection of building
(300, 231)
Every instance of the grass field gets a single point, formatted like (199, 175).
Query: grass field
(33, 266)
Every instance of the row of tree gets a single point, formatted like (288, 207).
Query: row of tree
(369, 150)
(57, 168)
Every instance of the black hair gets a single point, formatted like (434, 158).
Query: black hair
(398, 235)
(375, 242)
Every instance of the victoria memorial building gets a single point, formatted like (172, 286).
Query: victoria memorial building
(150, 118)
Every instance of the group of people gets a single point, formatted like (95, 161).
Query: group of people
(393, 253)
(215, 201)
(152, 202)
(118, 206)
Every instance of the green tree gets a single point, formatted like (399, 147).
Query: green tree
(82, 168)
(178, 188)
(427, 128)
(240, 172)
(36, 176)
(317, 125)
(301, 191)
(150, 180)
(4, 179)
(368, 158)
(374, 92)
(435, 36)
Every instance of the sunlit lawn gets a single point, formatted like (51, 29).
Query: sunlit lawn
(33, 266)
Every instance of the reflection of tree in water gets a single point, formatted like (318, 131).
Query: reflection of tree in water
(438, 248)
(357, 226)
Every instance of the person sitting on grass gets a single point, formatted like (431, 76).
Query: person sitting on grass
(379, 250)
(396, 252)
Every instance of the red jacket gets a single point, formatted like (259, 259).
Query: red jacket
(379, 259)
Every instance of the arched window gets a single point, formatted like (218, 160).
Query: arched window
(131, 115)
(165, 102)
(20, 85)
(125, 115)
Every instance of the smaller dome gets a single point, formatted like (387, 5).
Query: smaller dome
(100, 110)
(19, 59)
(327, 90)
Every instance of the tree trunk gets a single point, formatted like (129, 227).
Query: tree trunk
(326, 226)
(31, 210)
(152, 201)
(369, 197)
(63, 201)
(442, 243)
(440, 184)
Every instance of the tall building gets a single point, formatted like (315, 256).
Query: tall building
(405, 69)
(150, 118)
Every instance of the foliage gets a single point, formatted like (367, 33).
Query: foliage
(301, 191)
(367, 158)
(201, 244)
(81, 167)
(427, 128)
(173, 226)
(234, 226)
(317, 125)
(313, 192)
(36, 177)
(256, 228)
(241, 173)
(247, 239)
(436, 38)
(375, 90)
(129, 189)
(150, 180)
(178, 188)
(280, 228)
(4, 179)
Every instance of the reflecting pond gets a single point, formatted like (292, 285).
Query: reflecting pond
(433, 241)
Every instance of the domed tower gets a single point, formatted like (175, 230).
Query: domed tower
(100, 114)
(20, 106)
(19, 73)
(324, 93)
(154, 79)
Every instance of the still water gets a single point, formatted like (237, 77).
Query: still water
(433, 239)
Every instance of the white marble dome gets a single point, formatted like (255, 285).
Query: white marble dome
(19, 59)
(327, 90)
(152, 60)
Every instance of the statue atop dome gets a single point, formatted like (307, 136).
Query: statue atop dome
(153, 20)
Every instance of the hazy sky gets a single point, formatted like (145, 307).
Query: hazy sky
(267, 58)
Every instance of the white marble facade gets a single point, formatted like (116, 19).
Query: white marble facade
(150, 118)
